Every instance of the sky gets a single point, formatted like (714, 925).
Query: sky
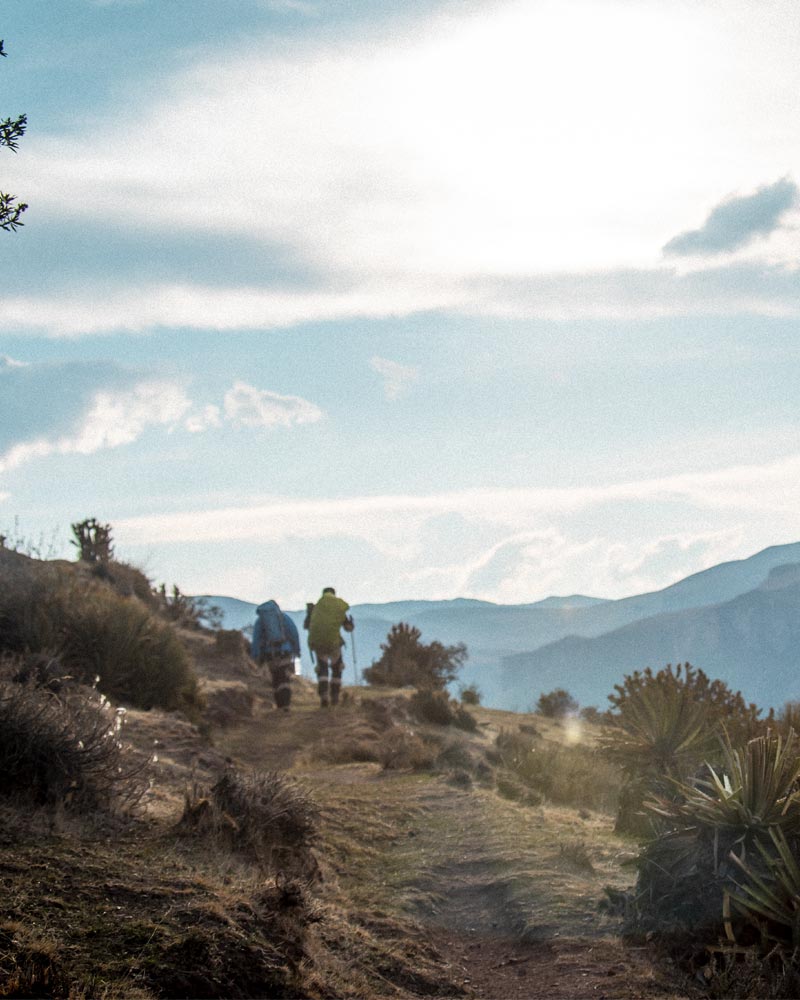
(429, 299)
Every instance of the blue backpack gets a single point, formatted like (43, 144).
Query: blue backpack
(270, 636)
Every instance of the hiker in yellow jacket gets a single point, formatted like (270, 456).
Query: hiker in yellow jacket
(325, 641)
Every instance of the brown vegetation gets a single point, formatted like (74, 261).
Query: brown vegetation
(398, 846)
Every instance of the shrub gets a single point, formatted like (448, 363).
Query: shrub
(66, 751)
(137, 659)
(185, 611)
(99, 637)
(400, 749)
(725, 864)
(470, 695)
(722, 706)
(441, 710)
(556, 704)
(664, 726)
(266, 817)
(129, 581)
(32, 610)
(406, 661)
(93, 541)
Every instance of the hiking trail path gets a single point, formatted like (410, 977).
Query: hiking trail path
(492, 885)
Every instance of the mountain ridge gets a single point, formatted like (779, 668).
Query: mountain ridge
(751, 642)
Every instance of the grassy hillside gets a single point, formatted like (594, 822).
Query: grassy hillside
(397, 846)
(356, 853)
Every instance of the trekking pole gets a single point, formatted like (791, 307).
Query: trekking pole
(355, 663)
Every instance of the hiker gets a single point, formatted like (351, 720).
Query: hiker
(325, 618)
(276, 644)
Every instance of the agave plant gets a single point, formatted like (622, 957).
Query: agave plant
(662, 730)
(725, 860)
(770, 897)
(753, 792)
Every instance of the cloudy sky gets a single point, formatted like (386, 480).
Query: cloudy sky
(425, 299)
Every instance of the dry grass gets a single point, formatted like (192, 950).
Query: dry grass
(411, 837)
(264, 817)
(66, 750)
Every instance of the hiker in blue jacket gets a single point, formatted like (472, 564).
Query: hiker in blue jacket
(276, 643)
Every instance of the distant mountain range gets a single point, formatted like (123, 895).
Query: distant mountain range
(739, 621)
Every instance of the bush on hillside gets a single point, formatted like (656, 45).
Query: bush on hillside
(721, 706)
(65, 750)
(725, 862)
(665, 725)
(130, 581)
(93, 541)
(406, 661)
(401, 749)
(186, 611)
(470, 695)
(99, 637)
(440, 709)
(556, 704)
(138, 659)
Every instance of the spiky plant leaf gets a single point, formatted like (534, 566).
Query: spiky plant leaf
(771, 891)
(754, 791)
(662, 729)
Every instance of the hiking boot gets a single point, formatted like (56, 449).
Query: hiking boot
(324, 703)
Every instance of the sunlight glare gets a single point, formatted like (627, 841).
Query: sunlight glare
(539, 130)
(573, 730)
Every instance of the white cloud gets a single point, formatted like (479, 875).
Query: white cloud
(413, 182)
(7, 363)
(198, 307)
(247, 406)
(112, 419)
(772, 290)
(202, 419)
(508, 545)
(768, 489)
(397, 378)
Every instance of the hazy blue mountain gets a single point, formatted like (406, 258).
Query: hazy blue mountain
(396, 611)
(573, 601)
(751, 641)
(495, 632)
(235, 613)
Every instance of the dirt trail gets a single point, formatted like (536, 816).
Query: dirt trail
(488, 881)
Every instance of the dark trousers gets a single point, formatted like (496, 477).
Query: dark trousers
(281, 671)
(329, 662)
